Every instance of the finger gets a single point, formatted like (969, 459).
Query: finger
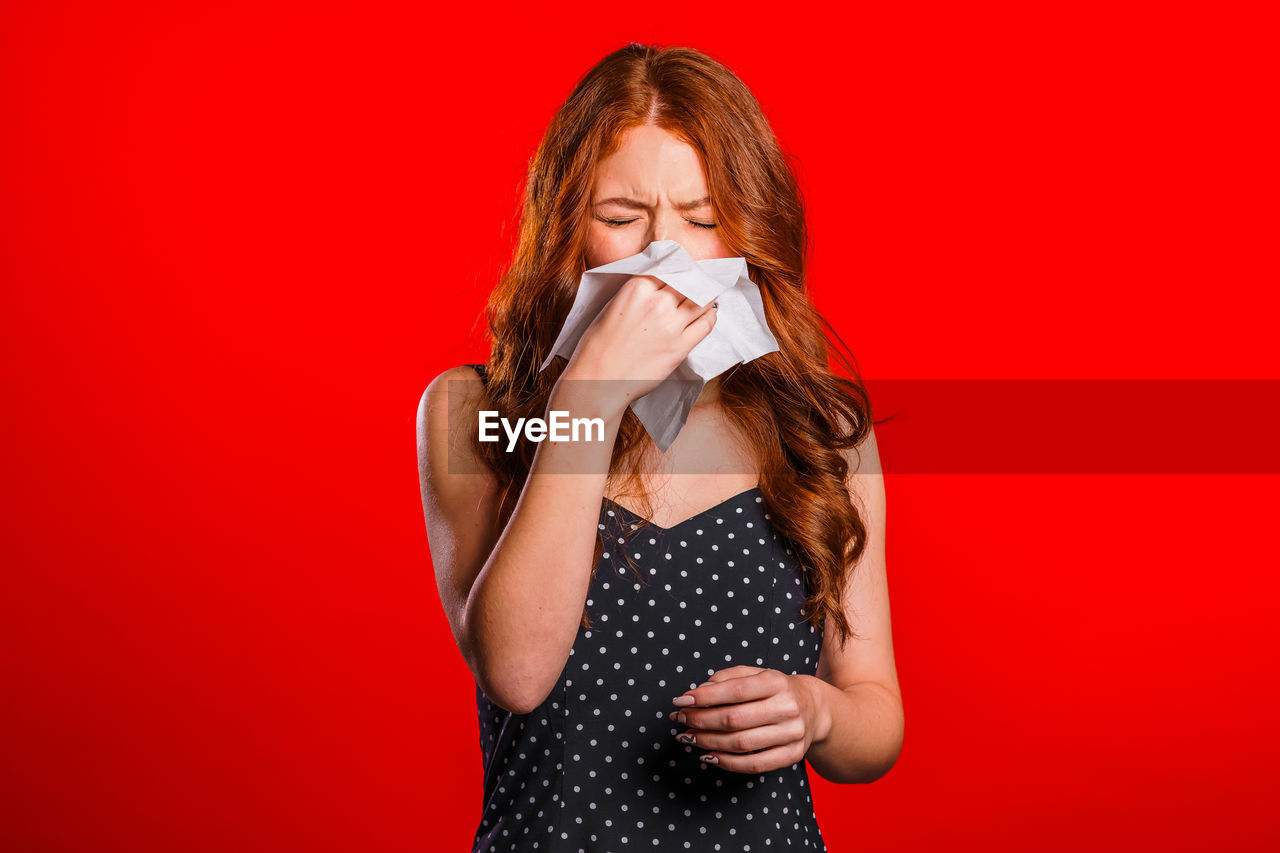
(685, 307)
(774, 758)
(746, 740)
(691, 307)
(697, 316)
(744, 688)
(639, 284)
(683, 304)
(688, 306)
(690, 317)
(742, 715)
(721, 675)
(652, 281)
(733, 672)
(699, 328)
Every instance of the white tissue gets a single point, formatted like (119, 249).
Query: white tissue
(739, 335)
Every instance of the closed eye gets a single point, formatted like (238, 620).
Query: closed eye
(618, 223)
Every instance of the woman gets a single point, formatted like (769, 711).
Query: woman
(660, 641)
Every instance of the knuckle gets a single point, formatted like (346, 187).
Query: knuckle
(640, 287)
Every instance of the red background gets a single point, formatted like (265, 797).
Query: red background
(238, 241)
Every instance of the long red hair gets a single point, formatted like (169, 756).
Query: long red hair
(789, 405)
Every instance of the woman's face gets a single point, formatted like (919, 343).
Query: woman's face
(651, 188)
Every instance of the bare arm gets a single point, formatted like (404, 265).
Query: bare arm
(856, 694)
(514, 604)
(514, 599)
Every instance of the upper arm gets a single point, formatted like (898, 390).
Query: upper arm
(459, 493)
(866, 595)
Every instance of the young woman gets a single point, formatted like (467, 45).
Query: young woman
(660, 641)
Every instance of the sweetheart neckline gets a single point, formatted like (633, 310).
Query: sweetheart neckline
(665, 530)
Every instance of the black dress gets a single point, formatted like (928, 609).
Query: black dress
(597, 766)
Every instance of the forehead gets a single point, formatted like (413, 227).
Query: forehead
(650, 161)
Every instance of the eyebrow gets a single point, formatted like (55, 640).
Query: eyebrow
(635, 204)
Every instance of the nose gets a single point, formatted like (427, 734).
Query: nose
(660, 227)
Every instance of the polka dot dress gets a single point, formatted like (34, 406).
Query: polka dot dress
(597, 766)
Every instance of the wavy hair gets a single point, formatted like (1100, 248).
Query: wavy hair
(795, 413)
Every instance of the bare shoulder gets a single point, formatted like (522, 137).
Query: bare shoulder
(448, 398)
(459, 491)
(464, 383)
(448, 464)
(863, 459)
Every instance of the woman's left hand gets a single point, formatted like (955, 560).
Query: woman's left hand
(752, 720)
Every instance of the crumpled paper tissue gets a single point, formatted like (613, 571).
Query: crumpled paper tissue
(739, 335)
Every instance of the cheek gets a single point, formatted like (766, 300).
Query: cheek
(595, 249)
(709, 245)
(606, 245)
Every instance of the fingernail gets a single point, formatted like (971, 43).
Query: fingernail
(673, 715)
(685, 738)
(682, 700)
(680, 717)
(709, 758)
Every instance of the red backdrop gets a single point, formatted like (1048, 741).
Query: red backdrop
(237, 242)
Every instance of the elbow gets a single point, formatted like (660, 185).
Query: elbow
(517, 676)
(522, 706)
(512, 682)
(879, 771)
(873, 762)
(890, 758)
(517, 694)
(861, 775)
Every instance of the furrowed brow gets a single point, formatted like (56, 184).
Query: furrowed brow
(636, 204)
(705, 201)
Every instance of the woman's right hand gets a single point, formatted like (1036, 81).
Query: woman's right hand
(638, 339)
